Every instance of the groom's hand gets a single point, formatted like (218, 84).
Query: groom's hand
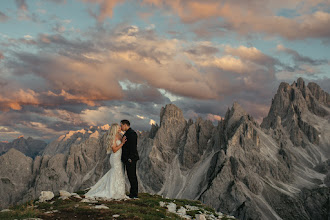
(124, 139)
(129, 160)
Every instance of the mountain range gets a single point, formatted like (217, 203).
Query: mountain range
(30, 147)
(279, 169)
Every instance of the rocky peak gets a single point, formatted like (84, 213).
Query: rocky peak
(322, 96)
(153, 130)
(171, 114)
(13, 153)
(290, 108)
(300, 84)
(234, 114)
(237, 110)
(295, 100)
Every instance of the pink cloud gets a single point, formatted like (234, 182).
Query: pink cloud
(254, 16)
(18, 98)
(105, 7)
(74, 73)
(21, 4)
(251, 54)
(212, 117)
(3, 17)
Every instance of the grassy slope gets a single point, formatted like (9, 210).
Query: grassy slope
(146, 207)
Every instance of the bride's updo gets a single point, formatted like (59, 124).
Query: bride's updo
(111, 137)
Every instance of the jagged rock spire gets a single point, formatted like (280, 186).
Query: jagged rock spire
(169, 114)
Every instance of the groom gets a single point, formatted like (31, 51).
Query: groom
(130, 156)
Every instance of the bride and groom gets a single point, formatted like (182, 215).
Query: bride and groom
(124, 155)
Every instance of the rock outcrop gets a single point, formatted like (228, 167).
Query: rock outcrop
(15, 176)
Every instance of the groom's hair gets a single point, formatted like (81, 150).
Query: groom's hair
(125, 122)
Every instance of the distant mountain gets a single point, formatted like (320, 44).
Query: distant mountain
(30, 147)
(277, 170)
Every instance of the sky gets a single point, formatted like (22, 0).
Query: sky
(69, 64)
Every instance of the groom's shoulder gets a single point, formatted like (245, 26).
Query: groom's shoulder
(131, 131)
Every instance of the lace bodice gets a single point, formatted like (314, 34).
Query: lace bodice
(118, 142)
(110, 150)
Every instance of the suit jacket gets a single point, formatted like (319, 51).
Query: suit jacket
(129, 150)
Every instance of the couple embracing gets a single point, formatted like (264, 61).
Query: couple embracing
(124, 155)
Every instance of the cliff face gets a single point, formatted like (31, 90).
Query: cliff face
(280, 169)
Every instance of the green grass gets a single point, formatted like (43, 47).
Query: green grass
(146, 207)
(26, 210)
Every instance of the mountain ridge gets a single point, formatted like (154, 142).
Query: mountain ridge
(30, 147)
(270, 171)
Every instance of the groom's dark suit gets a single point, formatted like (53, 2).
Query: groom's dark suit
(130, 152)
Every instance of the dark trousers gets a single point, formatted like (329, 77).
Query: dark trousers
(131, 173)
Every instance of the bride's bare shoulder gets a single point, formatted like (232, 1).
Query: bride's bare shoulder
(118, 137)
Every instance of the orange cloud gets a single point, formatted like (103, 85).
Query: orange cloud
(212, 117)
(19, 98)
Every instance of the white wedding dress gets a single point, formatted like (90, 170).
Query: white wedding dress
(112, 184)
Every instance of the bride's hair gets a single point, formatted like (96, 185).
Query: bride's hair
(111, 136)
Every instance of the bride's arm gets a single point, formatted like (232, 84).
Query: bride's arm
(116, 147)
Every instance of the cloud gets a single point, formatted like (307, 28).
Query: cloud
(59, 28)
(3, 17)
(84, 71)
(122, 72)
(213, 118)
(143, 93)
(6, 129)
(21, 4)
(105, 8)
(309, 19)
(17, 99)
(57, 1)
(227, 63)
(140, 115)
(255, 17)
(300, 58)
(251, 54)
(28, 36)
(39, 122)
(203, 48)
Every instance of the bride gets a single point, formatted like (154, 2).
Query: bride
(112, 184)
